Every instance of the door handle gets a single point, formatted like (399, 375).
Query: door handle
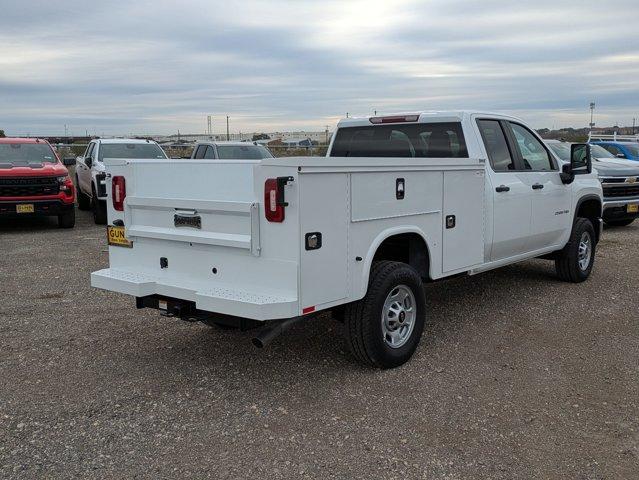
(537, 186)
(502, 188)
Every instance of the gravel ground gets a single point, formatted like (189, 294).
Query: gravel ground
(518, 376)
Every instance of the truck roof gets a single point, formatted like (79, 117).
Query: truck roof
(123, 140)
(225, 142)
(21, 140)
(424, 117)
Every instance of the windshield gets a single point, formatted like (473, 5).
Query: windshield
(599, 152)
(431, 140)
(561, 149)
(131, 150)
(26, 153)
(242, 152)
(633, 149)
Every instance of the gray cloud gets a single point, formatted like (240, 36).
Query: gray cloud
(155, 67)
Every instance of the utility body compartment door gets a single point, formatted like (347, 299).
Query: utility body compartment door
(463, 219)
(324, 211)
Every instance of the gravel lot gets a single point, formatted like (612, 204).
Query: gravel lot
(518, 376)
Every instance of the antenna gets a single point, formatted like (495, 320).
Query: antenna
(592, 114)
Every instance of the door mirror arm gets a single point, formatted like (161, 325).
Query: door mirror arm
(566, 175)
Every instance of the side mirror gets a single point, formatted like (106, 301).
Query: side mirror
(88, 161)
(68, 161)
(580, 162)
(621, 155)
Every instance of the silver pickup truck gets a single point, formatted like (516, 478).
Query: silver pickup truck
(619, 179)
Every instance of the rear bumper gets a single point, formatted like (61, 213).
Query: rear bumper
(40, 207)
(618, 209)
(215, 299)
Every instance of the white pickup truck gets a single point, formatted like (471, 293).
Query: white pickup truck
(398, 201)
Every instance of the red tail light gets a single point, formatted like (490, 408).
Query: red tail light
(273, 206)
(118, 192)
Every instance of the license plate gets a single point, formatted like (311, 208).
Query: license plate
(25, 208)
(633, 208)
(116, 237)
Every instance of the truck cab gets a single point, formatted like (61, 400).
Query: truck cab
(215, 150)
(90, 170)
(34, 182)
(399, 201)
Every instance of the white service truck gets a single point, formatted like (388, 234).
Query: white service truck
(399, 200)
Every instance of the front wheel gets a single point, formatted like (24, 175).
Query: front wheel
(574, 263)
(99, 209)
(67, 219)
(384, 328)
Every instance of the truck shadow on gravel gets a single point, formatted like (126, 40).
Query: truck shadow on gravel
(318, 346)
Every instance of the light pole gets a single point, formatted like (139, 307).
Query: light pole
(228, 137)
(592, 115)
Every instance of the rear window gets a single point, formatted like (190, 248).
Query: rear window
(242, 152)
(423, 140)
(131, 150)
(26, 153)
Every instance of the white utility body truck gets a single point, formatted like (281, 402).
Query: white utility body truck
(399, 200)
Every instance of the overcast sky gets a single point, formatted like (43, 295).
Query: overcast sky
(123, 67)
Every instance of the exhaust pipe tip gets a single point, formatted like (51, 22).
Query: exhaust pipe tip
(257, 342)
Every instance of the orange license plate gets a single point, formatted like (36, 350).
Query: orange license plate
(117, 238)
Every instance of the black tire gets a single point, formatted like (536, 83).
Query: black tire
(620, 223)
(99, 209)
(67, 219)
(567, 264)
(84, 202)
(363, 319)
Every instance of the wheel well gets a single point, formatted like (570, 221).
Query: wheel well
(408, 248)
(591, 209)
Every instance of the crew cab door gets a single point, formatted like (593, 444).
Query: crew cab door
(549, 195)
(512, 204)
(84, 170)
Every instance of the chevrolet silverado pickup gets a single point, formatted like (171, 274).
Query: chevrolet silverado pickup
(398, 201)
(33, 181)
(89, 171)
(619, 178)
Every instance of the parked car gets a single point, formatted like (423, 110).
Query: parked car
(33, 181)
(399, 200)
(211, 150)
(621, 146)
(89, 172)
(619, 179)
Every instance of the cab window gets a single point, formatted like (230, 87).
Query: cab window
(496, 146)
(533, 153)
(200, 152)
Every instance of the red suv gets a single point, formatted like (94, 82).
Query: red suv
(33, 181)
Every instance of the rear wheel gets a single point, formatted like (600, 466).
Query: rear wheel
(84, 202)
(99, 209)
(385, 327)
(67, 219)
(574, 263)
(620, 223)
